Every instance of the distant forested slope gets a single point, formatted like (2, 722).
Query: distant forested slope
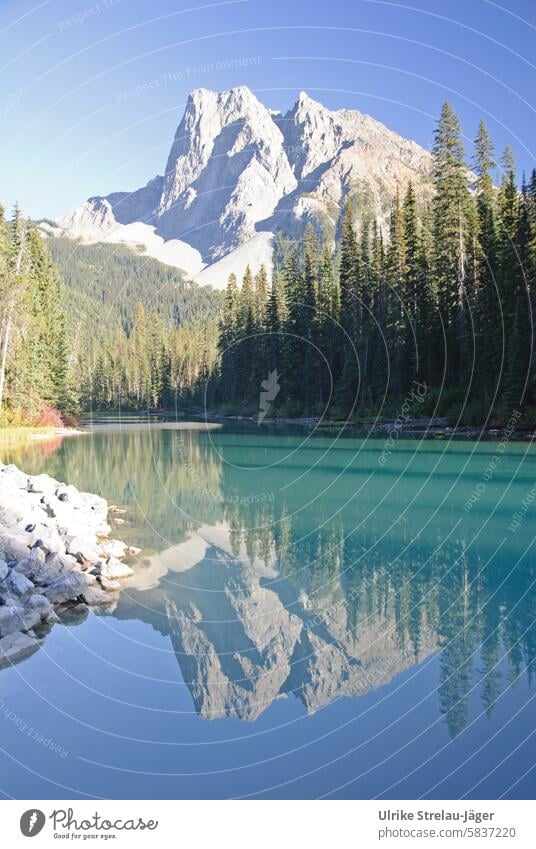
(105, 282)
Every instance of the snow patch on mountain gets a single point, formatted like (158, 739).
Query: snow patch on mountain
(255, 252)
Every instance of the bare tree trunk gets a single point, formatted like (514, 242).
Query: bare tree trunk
(5, 346)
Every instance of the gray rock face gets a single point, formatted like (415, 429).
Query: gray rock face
(237, 169)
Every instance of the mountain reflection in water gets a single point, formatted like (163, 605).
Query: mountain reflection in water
(279, 564)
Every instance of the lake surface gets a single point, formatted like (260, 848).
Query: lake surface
(311, 616)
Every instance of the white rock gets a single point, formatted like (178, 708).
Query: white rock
(84, 549)
(108, 583)
(3, 569)
(18, 478)
(42, 483)
(94, 595)
(69, 494)
(14, 545)
(113, 568)
(113, 548)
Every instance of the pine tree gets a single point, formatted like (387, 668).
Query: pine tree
(350, 320)
(450, 231)
(397, 306)
(487, 313)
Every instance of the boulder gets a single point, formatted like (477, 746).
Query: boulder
(94, 595)
(103, 529)
(67, 587)
(17, 646)
(17, 585)
(53, 568)
(84, 549)
(15, 617)
(15, 476)
(114, 569)
(109, 584)
(96, 504)
(113, 548)
(3, 569)
(30, 568)
(47, 539)
(69, 494)
(40, 605)
(38, 556)
(13, 546)
(11, 618)
(42, 483)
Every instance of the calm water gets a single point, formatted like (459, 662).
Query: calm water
(311, 617)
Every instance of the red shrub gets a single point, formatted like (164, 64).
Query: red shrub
(48, 417)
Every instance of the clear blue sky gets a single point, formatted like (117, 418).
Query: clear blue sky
(71, 127)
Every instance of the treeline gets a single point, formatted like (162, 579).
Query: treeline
(34, 357)
(105, 282)
(92, 327)
(445, 303)
(157, 364)
(143, 336)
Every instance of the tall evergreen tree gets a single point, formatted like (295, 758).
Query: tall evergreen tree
(488, 326)
(450, 230)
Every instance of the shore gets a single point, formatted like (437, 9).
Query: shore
(13, 437)
(432, 428)
(56, 554)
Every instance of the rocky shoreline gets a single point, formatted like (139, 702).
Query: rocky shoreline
(55, 553)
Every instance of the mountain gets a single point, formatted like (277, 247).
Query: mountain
(238, 172)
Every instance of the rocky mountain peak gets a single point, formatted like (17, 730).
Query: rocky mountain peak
(238, 172)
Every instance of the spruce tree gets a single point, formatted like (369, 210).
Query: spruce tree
(487, 312)
(450, 232)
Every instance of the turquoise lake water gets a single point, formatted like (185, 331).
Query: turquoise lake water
(311, 616)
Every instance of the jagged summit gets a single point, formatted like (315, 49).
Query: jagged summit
(238, 172)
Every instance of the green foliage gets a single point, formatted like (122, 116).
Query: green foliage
(440, 295)
(445, 302)
(104, 283)
(34, 368)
